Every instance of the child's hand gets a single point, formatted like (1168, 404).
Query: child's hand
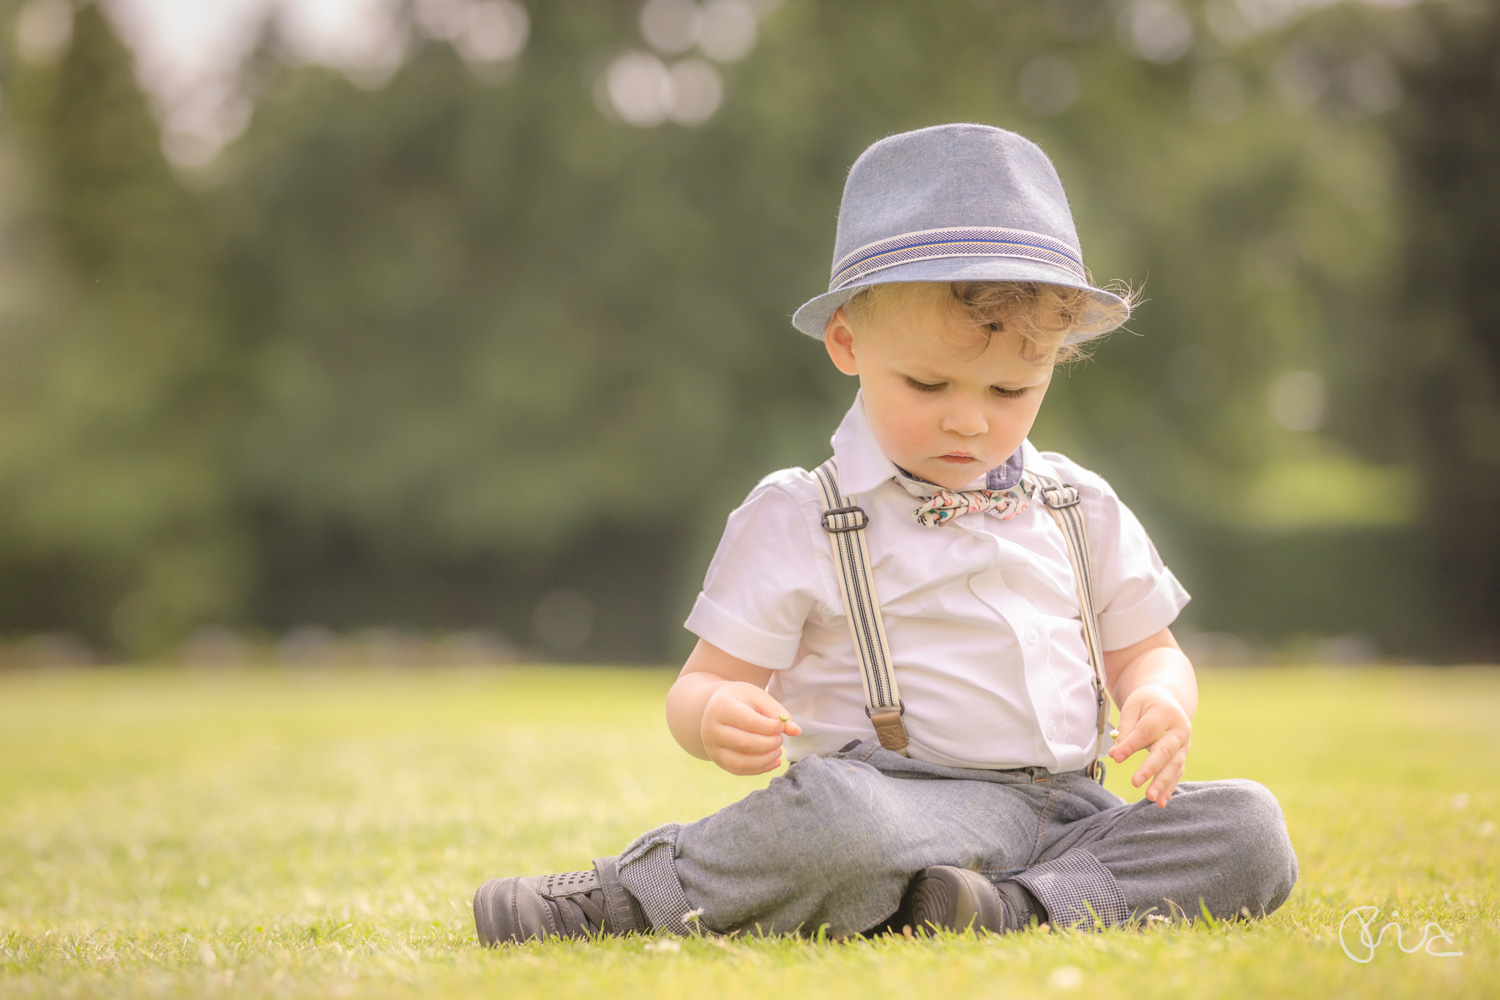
(742, 727)
(1153, 717)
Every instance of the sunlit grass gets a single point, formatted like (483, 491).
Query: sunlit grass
(166, 833)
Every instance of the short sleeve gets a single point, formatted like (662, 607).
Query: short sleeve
(763, 580)
(1136, 596)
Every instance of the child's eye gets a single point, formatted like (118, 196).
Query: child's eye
(923, 386)
(1007, 393)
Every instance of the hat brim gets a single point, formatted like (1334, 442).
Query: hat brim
(1107, 310)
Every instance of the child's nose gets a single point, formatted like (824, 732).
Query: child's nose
(967, 421)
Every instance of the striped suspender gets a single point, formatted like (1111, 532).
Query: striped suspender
(845, 523)
(1065, 505)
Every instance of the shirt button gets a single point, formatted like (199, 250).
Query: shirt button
(1051, 730)
(1032, 635)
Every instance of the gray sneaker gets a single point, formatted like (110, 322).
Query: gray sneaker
(946, 898)
(570, 904)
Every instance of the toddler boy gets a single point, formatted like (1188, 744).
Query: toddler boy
(915, 626)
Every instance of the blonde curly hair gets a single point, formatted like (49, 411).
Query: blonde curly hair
(1039, 314)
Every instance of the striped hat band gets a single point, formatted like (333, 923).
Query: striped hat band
(969, 241)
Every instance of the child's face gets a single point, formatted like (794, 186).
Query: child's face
(944, 404)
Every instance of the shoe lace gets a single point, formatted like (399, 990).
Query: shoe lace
(580, 910)
(590, 909)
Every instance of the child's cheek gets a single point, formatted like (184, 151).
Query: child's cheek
(908, 441)
(915, 420)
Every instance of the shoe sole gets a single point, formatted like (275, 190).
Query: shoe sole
(954, 899)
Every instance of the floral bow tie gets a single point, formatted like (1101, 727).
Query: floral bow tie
(945, 505)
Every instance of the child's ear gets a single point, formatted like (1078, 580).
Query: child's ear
(838, 337)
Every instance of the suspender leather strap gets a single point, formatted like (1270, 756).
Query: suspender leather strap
(1065, 505)
(845, 523)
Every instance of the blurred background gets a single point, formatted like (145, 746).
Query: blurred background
(447, 330)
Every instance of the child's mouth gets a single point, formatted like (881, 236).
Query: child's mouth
(957, 458)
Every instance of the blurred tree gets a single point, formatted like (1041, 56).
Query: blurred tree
(1446, 350)
(469, 299)
(118, 385)
(432, 348)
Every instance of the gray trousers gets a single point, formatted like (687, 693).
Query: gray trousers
(835, 841)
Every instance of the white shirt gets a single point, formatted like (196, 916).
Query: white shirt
(981, 613)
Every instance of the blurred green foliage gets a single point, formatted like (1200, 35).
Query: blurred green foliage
(426, 352)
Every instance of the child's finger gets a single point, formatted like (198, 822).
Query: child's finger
(767, 708)
(752, 718)
(788, 726)
(1130, 739)
(744, 761)
(772, 764)
(769, 762)
(1166, 779)
(1162, 751)
(748, 764)
(1136, 735)
(742, 741)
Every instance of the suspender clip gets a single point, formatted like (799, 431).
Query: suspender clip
(857, 516)
(1061, 497)
(900, 704)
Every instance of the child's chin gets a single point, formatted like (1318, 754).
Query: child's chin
(952, 477)
(949, 483)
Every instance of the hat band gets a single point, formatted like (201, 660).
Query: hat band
(966, 242)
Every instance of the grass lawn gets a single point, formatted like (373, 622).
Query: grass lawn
(320, 833)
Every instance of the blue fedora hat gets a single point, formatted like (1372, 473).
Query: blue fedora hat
(957, 203)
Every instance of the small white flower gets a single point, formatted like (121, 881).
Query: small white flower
(1065, 977)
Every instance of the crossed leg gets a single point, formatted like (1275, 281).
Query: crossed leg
(835, 841)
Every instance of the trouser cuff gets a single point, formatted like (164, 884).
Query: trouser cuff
(1077, 891)
(649, 870)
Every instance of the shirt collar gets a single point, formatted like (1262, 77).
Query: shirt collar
(863, 466)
